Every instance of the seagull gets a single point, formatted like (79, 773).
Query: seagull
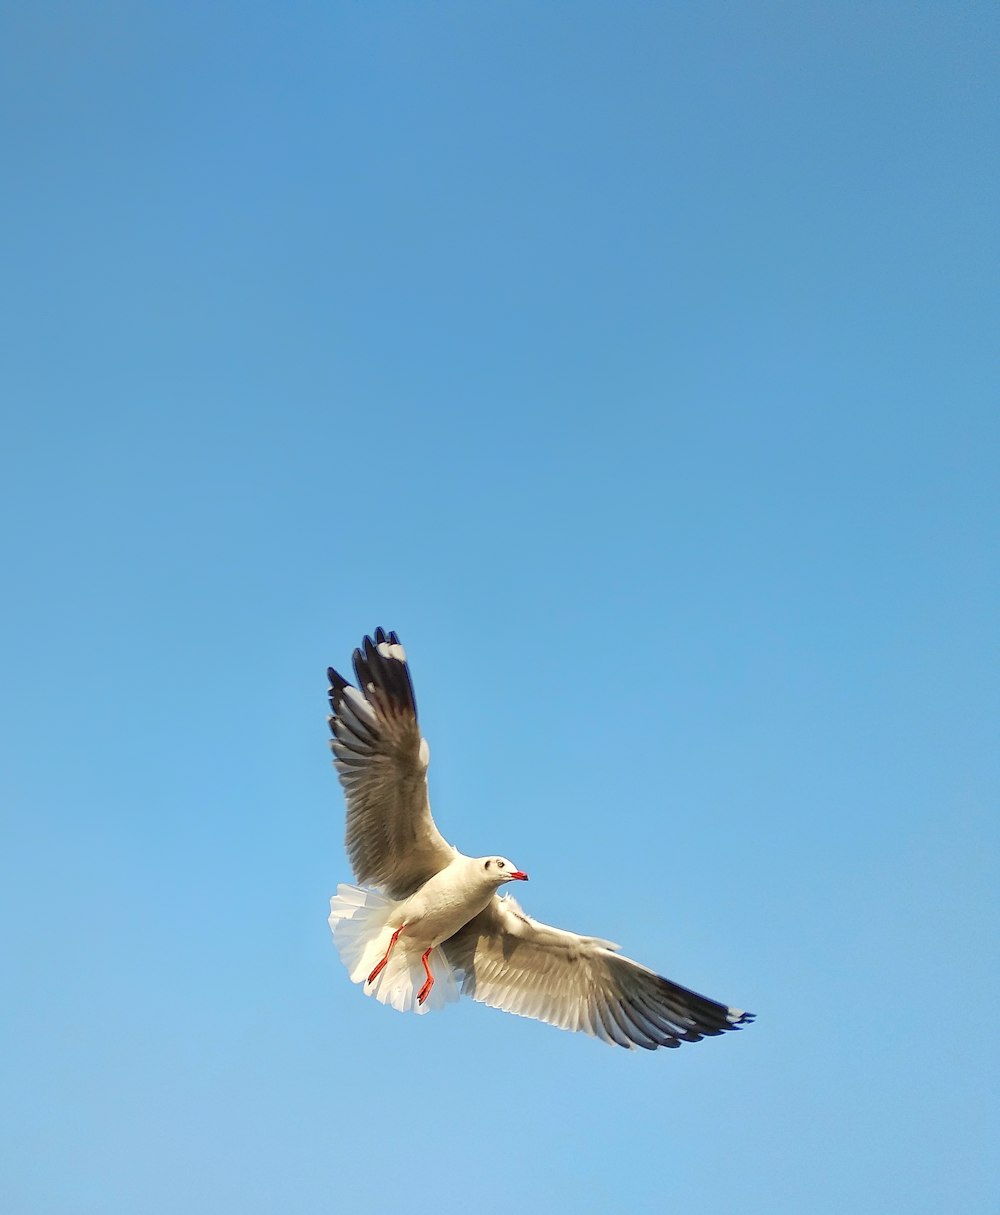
(426, 923)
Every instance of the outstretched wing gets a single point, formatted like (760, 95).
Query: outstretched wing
(512, 962)
(382, 760)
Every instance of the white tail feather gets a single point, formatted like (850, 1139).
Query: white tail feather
(362, 923)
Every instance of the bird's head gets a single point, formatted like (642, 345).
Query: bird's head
(499, 870)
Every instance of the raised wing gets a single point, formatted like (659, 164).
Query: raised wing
(512, 962)
(382, 760)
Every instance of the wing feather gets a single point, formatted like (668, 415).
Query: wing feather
(515, 963)
(381, 759)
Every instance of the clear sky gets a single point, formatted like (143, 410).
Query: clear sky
(637, 363)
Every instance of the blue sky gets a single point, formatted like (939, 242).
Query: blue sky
(637, 364)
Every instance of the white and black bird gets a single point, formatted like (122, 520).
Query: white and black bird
(427, 924)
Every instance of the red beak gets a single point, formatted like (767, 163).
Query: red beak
(518, 876)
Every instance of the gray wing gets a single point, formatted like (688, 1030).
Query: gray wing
(382, 761)
(512, 962)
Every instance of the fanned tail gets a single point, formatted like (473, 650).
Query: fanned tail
(362, 923)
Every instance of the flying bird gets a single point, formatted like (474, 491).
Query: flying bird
(427, 924)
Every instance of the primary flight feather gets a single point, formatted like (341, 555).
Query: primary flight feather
(427, 923)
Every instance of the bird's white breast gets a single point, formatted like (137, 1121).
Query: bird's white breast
(445, 903)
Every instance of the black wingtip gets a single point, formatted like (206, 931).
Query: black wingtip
(388, 673)
(336, 690)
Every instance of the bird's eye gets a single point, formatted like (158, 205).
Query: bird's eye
(499, 864)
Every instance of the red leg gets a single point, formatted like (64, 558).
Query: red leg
(425, 991)
(381, 966)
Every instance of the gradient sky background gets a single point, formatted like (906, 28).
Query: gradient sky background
(637, 364)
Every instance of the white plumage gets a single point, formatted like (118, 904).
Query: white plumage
(427, 923)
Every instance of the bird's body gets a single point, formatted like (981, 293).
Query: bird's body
(447, 901)
(428, 923)
(403, 931)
